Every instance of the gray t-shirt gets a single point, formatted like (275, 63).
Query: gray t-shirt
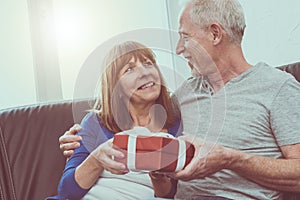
(256, 112)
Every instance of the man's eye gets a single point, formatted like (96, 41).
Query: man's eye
(185, 38)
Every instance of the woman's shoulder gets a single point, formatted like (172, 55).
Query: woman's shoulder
(91, 118)
(93, 129)
(176, 128)
(91, 123)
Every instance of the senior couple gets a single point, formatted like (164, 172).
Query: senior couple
(242, 119)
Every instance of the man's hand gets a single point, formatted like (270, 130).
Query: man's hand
(209, 158)
(70, 141)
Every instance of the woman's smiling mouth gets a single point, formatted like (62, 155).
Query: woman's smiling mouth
(147, 85)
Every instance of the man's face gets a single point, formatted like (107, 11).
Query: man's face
(194, 45)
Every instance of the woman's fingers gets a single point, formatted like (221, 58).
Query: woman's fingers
(105, 154)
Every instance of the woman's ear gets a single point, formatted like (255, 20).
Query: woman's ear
(217, 33)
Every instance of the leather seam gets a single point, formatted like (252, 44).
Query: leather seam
(7, 163)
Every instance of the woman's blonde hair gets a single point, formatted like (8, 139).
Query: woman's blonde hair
(113, 111)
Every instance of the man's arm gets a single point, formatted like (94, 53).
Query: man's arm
(278, 174)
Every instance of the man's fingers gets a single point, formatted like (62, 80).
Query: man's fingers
(182, 175)
(68, 153)
(69, 146)
(73, 130)
(69, 138)
(187, 173)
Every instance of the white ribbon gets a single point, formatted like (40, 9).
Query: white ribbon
(131, 151)
(142, 131)
(139, 130)
(181, 155)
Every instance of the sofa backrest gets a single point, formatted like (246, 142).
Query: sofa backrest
(30, 160)
(293, 69)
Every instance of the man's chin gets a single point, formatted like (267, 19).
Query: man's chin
(195, 73)
(191, 65)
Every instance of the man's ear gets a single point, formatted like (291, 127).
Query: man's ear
(216, 32)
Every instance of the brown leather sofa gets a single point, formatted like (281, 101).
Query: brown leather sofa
(30, 160)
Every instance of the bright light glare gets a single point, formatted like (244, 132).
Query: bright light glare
(69, 28)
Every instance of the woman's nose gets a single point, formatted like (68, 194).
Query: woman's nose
(143, 71)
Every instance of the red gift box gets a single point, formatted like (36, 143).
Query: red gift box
(153, 153)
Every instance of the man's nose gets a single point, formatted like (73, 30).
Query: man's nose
(179, 47)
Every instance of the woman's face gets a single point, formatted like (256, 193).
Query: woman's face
(140, 81)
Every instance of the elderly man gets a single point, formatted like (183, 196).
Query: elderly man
(243, 120)
(247, 138)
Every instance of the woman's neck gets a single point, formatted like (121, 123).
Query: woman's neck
(143, 116)
(140, 114)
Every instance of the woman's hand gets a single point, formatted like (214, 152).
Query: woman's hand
(162, 185)
(104, 154)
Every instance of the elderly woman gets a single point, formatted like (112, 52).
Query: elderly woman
(132, 87)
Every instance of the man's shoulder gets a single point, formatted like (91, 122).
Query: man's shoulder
(271, 73)
(188, 84)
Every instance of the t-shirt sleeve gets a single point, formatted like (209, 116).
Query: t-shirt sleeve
(285, 113)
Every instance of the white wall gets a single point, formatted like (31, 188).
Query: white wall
(92, 22)
(17, 84)
(272, 35)
(272, 32)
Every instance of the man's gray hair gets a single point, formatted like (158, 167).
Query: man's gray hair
(228, 13)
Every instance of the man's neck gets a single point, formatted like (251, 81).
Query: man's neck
(230, 66)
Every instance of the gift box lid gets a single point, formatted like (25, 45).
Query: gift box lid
(147, 143)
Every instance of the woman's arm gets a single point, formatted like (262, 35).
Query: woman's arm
(68, 187)
(88, 172)
(163, 185)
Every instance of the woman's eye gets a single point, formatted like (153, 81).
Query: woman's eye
(148, 63)
(128, 69)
